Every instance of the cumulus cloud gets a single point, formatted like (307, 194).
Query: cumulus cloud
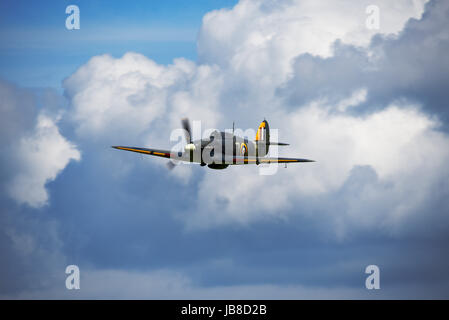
(134, 97)
(35, 151)
(127, 96)
(41, 156)
(322, 94)
(385, 141)
(347, 109)
(390, 67)
(361, 102)
(261, 37)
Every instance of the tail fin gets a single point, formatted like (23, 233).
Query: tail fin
(263, 138)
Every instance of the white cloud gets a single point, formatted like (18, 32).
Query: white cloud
(245, 55)
(125, 97)
(40, 157)
(34, 151)
(259, 38)
(134, 101)
(248, 48)
(395, 142)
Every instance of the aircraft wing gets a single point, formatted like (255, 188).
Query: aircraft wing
(156, 152)
(184, 156)
(251, 160)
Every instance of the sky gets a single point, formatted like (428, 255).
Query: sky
(368, 104)
(38, 51)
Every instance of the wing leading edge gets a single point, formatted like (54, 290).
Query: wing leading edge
(152, 152)
(256, 160)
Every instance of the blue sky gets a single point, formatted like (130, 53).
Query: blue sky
(38, 51)
(369, 105)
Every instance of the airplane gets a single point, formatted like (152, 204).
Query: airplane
(221, 149)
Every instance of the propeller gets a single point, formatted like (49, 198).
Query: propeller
(188, 135)
(188, 132)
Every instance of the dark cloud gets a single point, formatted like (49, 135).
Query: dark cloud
(17, 107)
(412, 65)
(18, 110)
(30, 249)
